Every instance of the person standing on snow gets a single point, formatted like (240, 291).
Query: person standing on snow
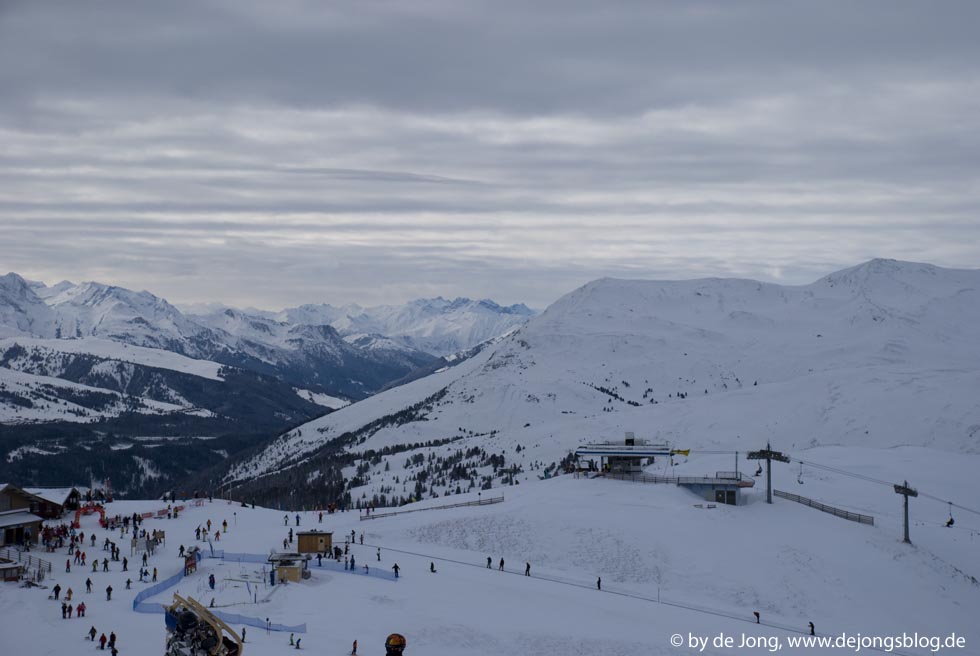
(527, 569)
(598, 584)
(489, 560)
(501, 568)
(108, 593)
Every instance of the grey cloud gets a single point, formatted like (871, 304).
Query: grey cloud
(371, 152)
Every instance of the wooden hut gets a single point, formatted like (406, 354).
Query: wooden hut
(290, 566)
(312, 542)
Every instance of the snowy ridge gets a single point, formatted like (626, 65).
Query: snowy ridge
(119, 352)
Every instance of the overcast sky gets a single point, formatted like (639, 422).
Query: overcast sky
(274, 153)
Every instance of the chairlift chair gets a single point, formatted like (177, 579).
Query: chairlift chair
(758, 471)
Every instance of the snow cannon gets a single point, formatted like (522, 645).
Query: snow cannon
(193, 630)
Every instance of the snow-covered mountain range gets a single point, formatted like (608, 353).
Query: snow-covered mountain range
(109, 360)
(434, 325)
(882, 354)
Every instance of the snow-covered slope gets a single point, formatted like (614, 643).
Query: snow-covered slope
(434, 325)
(116, 351)
(668, 564)
(22, 312)
(883, 354)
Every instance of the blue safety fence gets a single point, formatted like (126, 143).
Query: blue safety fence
(140, 605)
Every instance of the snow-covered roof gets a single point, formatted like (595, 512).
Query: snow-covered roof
(17, 518)
(56, 495)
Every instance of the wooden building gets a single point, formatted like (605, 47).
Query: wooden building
(290, 566)
(313, 542)
(55, 501)
(19, 522)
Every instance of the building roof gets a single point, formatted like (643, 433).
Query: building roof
(58, 495)
(18, 517)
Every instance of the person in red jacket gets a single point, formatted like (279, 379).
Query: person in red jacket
(102, 640)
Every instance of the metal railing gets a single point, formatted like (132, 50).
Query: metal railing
(722, 478)
(837, 512)
(479, 502)
(18, 556)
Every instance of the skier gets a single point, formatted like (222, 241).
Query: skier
(291, 641)
(319, 560)
(105, 565)
(64, 610)
(353, 651)
(297, 519)
(126, 562)
(180, 551)
(70, 609)
(108, 593)
(154, 574)
(501, 568)
(345, 562)
(321, 516)
(80, 610)
(243, 634)
(285, 522)
(144, 559)
(489, 560)
(811, 629)
(432, 567)
(129, 583)
(102, 641)
(91, 634)
(88, 585)
(527, 569)
(352, 562)
(395, 645)
(756, 613)
(396, 568)
(362, 537)
(290, 536)
(112, 639)
(379, 554)
(68, 566)
(57, 591)
(598, 584)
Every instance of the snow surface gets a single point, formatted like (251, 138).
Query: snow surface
(110, 350)
(710, 568)
(325, 400)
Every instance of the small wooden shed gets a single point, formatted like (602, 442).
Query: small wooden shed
(290, 566)
(312, 542)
